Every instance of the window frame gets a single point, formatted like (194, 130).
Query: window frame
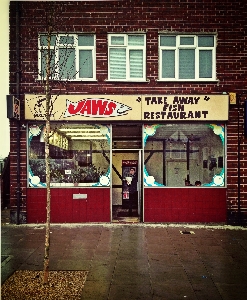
(57, 46)
(128, 49)
(194, 47)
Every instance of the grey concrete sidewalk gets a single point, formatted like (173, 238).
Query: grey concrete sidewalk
(137, 261)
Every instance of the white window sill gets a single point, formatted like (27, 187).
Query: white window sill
(187, 80)
(70, 80)
(126, 80)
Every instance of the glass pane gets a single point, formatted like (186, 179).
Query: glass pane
(79, 155)
(44, 41)
(136, 64)
(206, 41)
(186, 40)
(85, 64)
(205, 64)
(117, 40)
(177, 153)
(44, 62)
(117, 63)
(67, 63)
(136, 40)
(168, 64)
(187, 64)
(168, 41)
(86, 40)
(66, 40)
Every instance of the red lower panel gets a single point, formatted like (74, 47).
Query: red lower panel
(185, 205)
(65, 209)
(161, 205)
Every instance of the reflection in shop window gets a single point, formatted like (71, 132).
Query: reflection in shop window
(176, 155)
(79, 155)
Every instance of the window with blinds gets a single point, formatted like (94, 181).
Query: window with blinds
(187, 57)
(127, 55)
(72, 57)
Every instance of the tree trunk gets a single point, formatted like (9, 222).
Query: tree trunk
(47, 160)
(48, 212)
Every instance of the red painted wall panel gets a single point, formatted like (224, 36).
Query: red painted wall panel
(161, 205)
(185, 205)
(65, 209)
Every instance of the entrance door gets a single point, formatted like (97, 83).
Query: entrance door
(122, 161)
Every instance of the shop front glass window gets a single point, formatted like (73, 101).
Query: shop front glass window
(79, 155)
(177, 155)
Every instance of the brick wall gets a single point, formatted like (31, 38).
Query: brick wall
(228, 20)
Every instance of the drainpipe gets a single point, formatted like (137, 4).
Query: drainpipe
(239, 201)
(18, 190)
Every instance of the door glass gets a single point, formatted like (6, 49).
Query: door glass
(122, 163)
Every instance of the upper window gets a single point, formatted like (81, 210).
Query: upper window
(72, 57)
(187, 57)
(127, 56)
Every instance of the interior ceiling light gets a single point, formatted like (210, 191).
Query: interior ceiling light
(88, 138)
(83, 133)
(80, 129)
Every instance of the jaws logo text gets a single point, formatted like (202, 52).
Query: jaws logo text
(100, 108)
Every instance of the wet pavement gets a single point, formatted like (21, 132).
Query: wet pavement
(137, 261)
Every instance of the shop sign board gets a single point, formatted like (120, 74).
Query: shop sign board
(129, 107)
(185, 108)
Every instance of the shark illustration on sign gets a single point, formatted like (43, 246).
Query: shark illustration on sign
(96, 107)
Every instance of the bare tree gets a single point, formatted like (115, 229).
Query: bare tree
(54, 74)
(47, 147)
(48, 84)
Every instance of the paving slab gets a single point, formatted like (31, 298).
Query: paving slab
(136, 261)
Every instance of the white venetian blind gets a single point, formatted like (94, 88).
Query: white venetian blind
(117, 63)
(136, 63)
